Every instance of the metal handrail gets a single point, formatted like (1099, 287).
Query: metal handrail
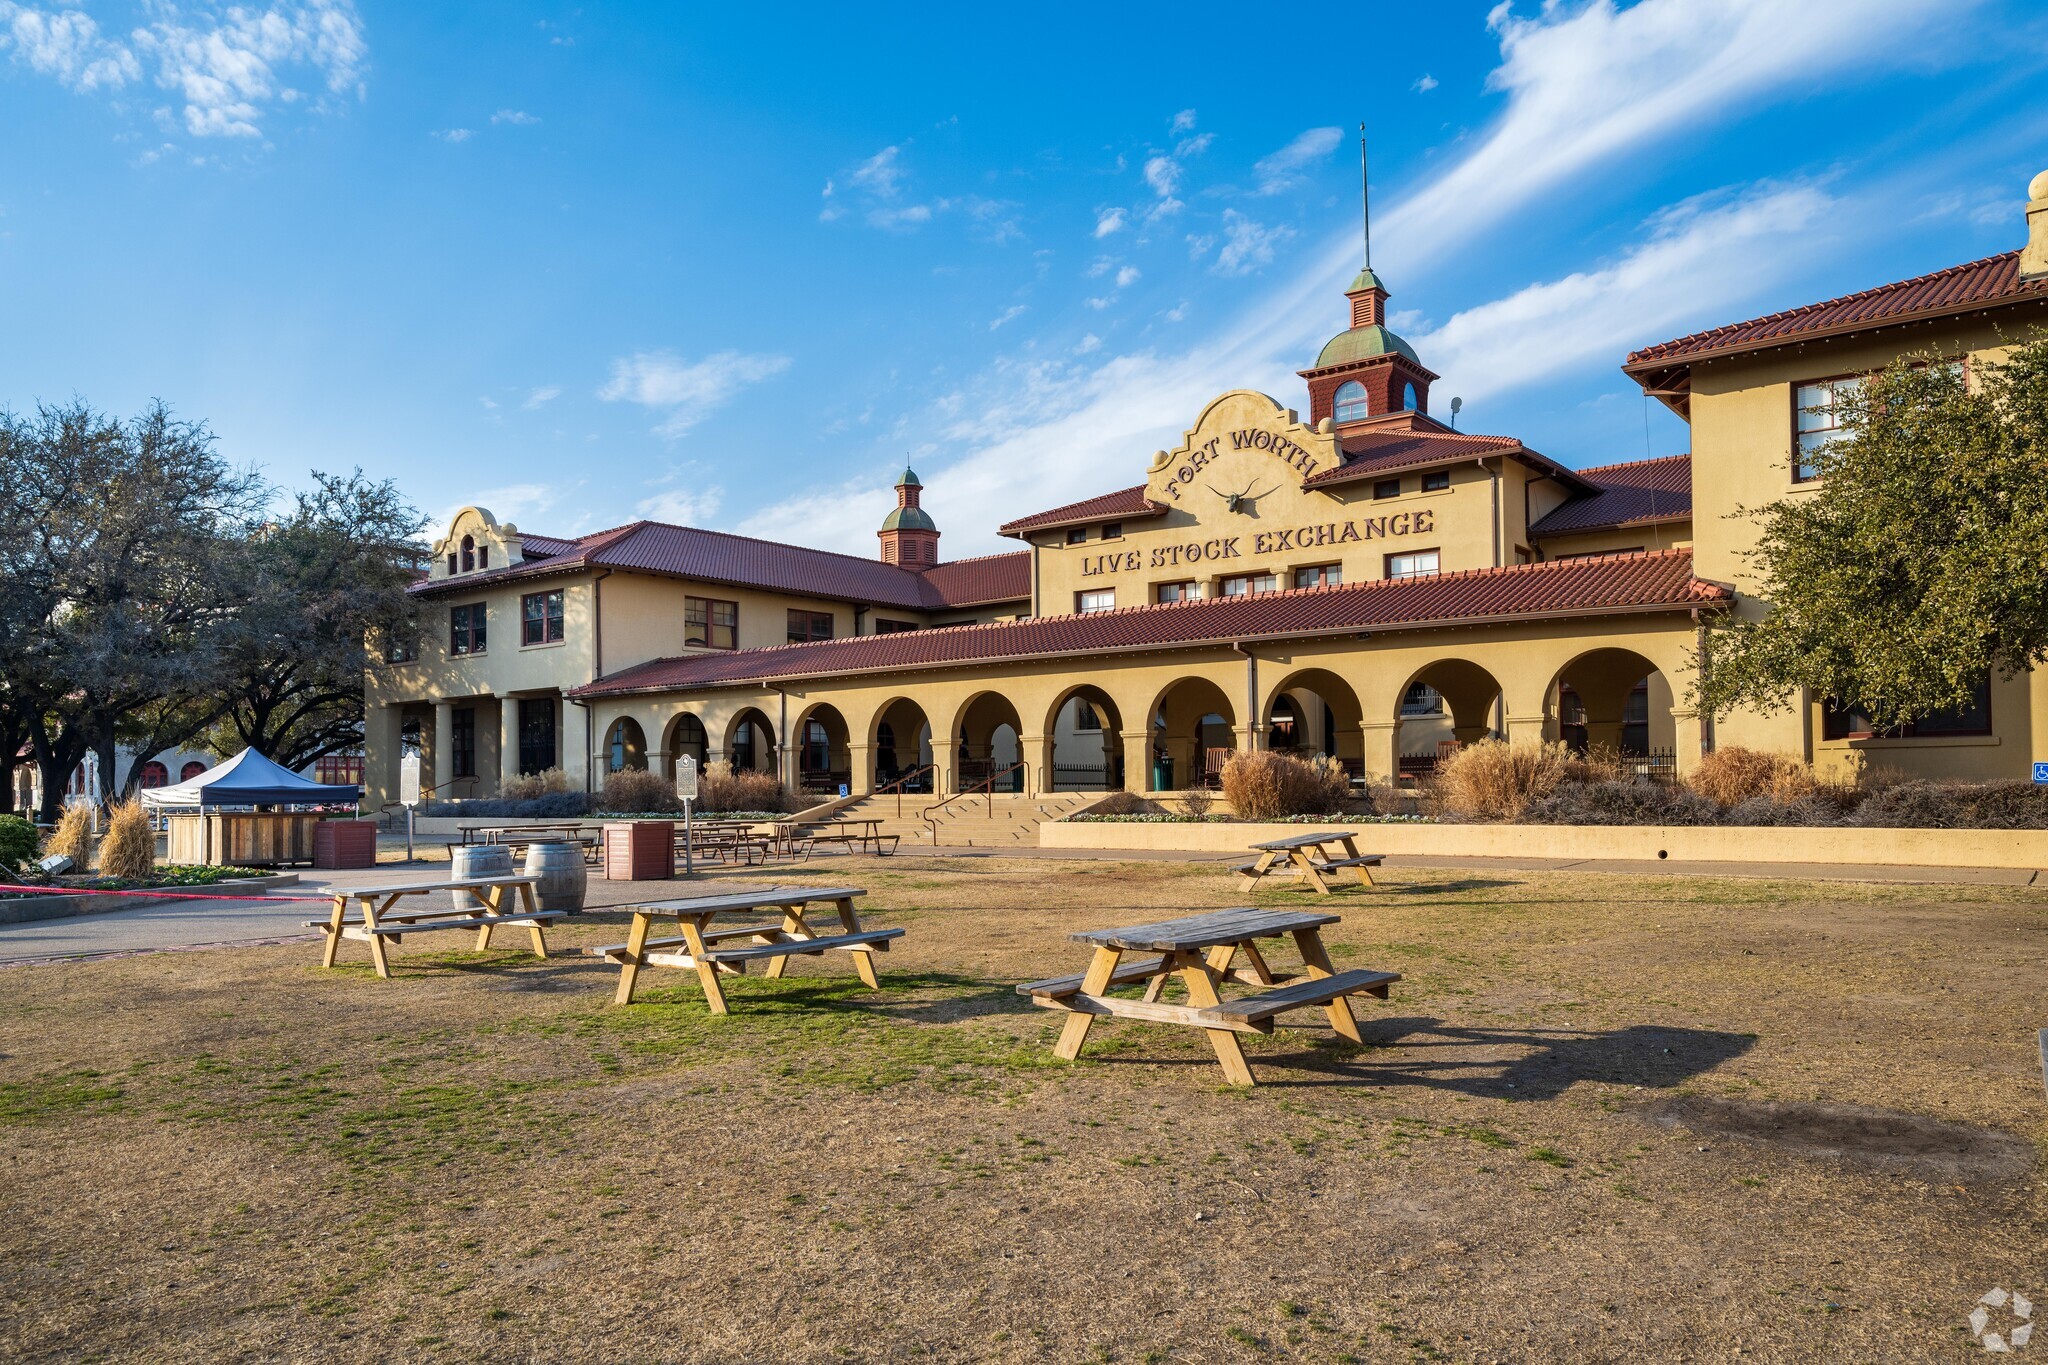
(986, 788)
(902, 780)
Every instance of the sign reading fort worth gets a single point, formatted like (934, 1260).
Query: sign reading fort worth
(1244, 438)
(1256, 543)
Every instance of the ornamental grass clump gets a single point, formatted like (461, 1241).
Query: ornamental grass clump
(1496, 779)
(636, 791)
(1267, 785)
(73, 838)
(128, 852)
(1735, 775)
(721, 788)
(532, 786)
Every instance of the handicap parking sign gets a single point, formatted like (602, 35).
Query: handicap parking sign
(2041, 772)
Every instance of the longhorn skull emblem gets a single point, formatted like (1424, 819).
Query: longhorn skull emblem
(1236, 502)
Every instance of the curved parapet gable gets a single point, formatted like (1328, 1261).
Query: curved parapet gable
(490, 544)
(1242, 440)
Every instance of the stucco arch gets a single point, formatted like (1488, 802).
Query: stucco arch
(625, 745)
(750, 740)
(1328, 716)
(686, 735)
(899, 738)
(822, 741)
(1610, 684)
(985, 736)
(1083, 758)
(1182, 728)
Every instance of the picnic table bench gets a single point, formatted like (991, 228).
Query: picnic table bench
(694, 948)
(1202, 950)
(381, 921)
(1302, 858)
(860, 833)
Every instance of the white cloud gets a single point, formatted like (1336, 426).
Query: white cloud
(1088, 344)
(1162, 173)
(1247, 244)
(1282, 170)
(683, 506)
(1010, 314)
(1661, 286)
(456, 134)
(518, 118)
(909, 215)
(230, 68)
(1108, 221)
(1098, 304)
(512, 502)
(1199, 244)
(66, 45)
(1183, 121)
(831, 210)
(542, 396)
(1426, 84)
(1127, 277)
(1177, 313)
(687, 391)
(877, 184)
(881, 174)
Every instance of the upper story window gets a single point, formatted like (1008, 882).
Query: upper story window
(1436, 481)
(1099, 599)
(1187, 590)
(1387, 488)
(1077, 535)
(1319, 576)
(1817, 423)
(1248, 585)
(884, 626)
(1112, 530)
(1415, 564)
(1408, 403)
(709, 623)
(540, 618)
(468, 553)
(399, 648)
(155, 774)
(466, 629)
(809, 625)
(192, 769)
(1351, 402)
(1848, 722)
(452, 561)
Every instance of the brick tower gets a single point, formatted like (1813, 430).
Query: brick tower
(909, 535)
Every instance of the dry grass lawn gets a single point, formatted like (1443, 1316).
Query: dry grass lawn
(235, 1155)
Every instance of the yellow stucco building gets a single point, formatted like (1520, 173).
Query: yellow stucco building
(1365, 582)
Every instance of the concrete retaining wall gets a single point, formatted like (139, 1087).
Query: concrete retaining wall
(1870, 847)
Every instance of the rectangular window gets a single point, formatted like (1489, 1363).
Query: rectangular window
(399, 650)
(1387, 488)
(1816, 423)
(1436, 481)
(1086, 717)
(809, 625)
(1414, 564)
(339, 769)
(1186, 590)
(1077, 535)
(466, 629)
(462, 740)
(1248, 585)
(1851, 723)
(537, 734)
(1101, 599)
(540, 618)
(709, 623)
(884, 626)
(1112, 530)
(1319, 576)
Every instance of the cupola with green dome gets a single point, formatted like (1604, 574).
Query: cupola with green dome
(909, 535)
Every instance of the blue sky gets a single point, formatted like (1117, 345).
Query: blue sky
(733, 266)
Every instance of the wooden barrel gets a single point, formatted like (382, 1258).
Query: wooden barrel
(562, 878)
(477, 860)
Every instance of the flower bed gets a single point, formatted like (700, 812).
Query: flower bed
(168, 877)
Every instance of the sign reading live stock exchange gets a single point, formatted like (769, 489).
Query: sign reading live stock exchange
(1262, 543)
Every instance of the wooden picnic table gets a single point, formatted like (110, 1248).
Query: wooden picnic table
(1302, 858)
(861, 831)
(382, 920)
(1201, 950)
(693, 947)
(516, 836)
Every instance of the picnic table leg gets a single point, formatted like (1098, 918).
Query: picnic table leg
(370, 912)
(1258, 961)
(1157, 985)
(707, 972)
(1200, 980)
(793, 926)
(863, 958)
(1350, 842)
(636, 948)
(1258, 869)
(530, 905)
(1075, 1031)
(1317, 959)
(334, 931)
(493, 903)
(1307, 867)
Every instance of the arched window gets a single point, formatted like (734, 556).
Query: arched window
(625, 745)
(817, 747)
(468, 553)
(1408, 397)
(155, 774)
(191, 770)
(1352, 403)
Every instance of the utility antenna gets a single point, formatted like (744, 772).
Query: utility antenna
(1364, 196)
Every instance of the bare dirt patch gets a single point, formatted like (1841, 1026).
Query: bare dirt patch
(235, 1155)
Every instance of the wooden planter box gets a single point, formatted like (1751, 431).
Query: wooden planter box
(345, 843)
(243, 838)
(639, 850)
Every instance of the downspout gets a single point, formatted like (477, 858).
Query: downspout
(1251, 694)
(596, 675)
(1494, 474)
(782, 738)
(1699, 625)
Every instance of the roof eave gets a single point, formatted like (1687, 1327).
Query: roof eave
(1018, 530)
(1636, 369)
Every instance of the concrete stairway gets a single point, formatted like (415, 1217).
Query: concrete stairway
(970, 821)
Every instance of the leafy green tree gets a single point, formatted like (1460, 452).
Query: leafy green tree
(1919, 565)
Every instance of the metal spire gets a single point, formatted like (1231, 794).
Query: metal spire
(1365, 196)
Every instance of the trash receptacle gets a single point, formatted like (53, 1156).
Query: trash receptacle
(1162, 774)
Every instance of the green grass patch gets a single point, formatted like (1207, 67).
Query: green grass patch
(58, 1095)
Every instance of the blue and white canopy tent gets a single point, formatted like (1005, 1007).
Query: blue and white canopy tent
(250, 779)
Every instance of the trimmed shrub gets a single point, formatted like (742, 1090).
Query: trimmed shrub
(553, 806)
(1731, 776)
(1815, 809)
(2009, 805)
(18, 842)
(637, 790)
(1620, 803)
(1266, 785)
(129, 850)
(1125, 803)
(73, 837)
(1197, 802)
(532, 786)
(1498, 780)
(1913, 805)
(720, 789)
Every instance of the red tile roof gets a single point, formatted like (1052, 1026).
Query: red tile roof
(1581, 587)
(1126, 504)
(1993, 280)
(1369, 454)
(1641, 493)
(719, 557)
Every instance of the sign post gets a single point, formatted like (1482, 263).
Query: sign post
(686, 788)
(409, 792)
